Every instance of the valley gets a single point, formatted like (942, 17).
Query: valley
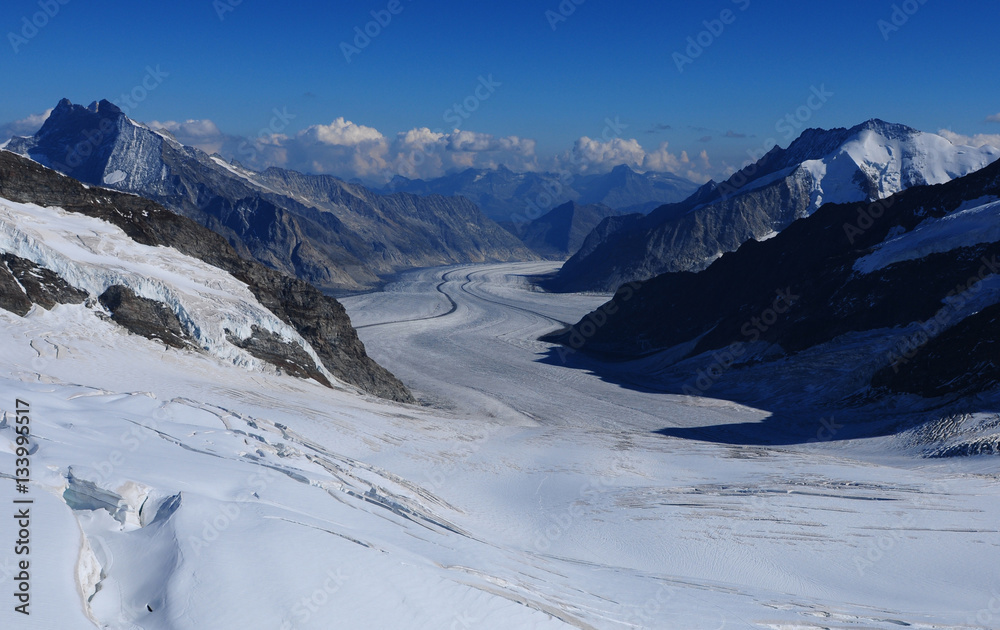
(516, 493)
(478, 316)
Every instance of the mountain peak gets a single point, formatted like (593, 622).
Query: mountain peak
(887, 129)
(622, 168)
(105, 107)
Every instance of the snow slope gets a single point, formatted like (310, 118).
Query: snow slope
(176, 491)
(964, 228)
(892, 157)
(93, 255)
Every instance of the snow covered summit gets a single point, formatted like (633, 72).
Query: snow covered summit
(870, 161)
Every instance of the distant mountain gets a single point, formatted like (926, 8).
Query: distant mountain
(854, 303)
(867, 162)
(559, 233)
(336, 235)
(151, 272)
(506, 196)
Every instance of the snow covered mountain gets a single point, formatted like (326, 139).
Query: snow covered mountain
(200, 473)
(166, 278)
(336, 235)
(868, 162)
(855, 304)
(174, 490)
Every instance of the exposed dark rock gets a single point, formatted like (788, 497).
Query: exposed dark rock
(142, 316)
(43, 286)
(964, 359)
(12, 296)
(320, 319)
(267, 346)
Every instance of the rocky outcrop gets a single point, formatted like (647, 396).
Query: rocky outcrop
(964, 359)
(12, 296)
(288, 357)
(23, 283)
(145, 317)
(318, 318)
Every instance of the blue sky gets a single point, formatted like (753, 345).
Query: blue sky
(228, 67)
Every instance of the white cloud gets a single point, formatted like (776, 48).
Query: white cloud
(189, 128)
(342, 133)
(994, 118)
(663, 160)
(596, 156)
(424, 153)
(24, 127)
(977, 140)
(354, 151)
(203, 134)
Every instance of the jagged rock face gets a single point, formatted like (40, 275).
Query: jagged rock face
(12, 296)
(690, 242)
(335, 235)
(509, 197)
(267, 346)
(964, 359)
(867, 162)
(560, 233)
(35, 285)
(812, 271)
(142, 316)
(318, 318)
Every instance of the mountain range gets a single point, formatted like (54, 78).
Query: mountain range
(856, 304)
(509, 197)
(867, 162)
(335, 235)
